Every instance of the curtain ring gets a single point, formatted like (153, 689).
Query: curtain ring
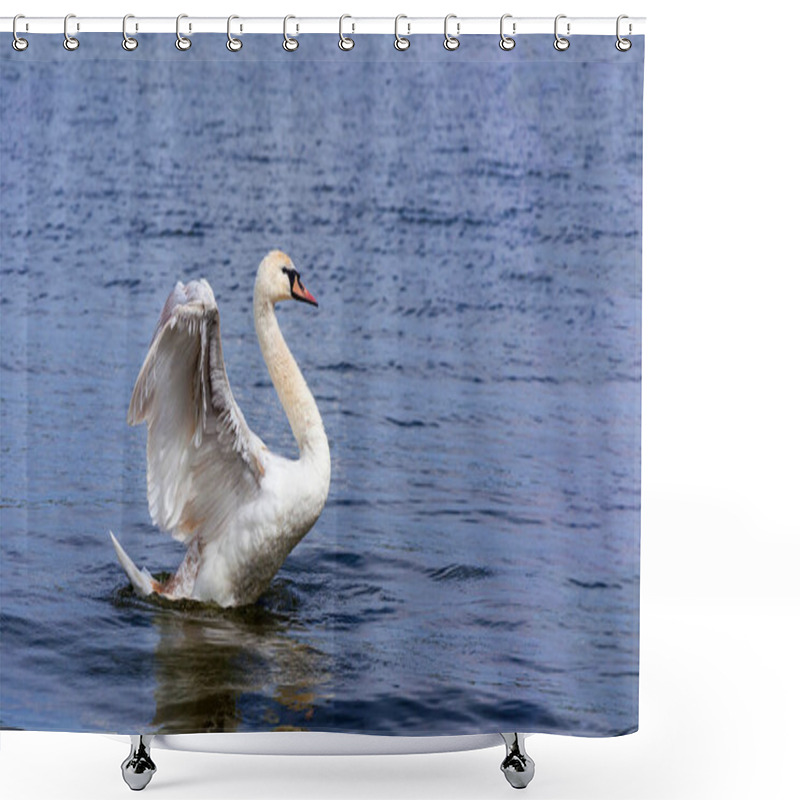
(450, 42)
(506, 42)
(345, 43)
(70, 42)
(19, 44)
(623, 45)
(233, 44)
(128, 42)
(289, 44)
(181, 42)
(400, 42)
(561, 43)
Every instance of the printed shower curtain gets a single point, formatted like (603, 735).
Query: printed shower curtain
(406, 501)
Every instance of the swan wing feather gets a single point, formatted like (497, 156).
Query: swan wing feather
(203, 462)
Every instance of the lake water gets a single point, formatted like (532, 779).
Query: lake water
(470, 223)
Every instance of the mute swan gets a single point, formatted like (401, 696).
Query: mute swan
(211, 482)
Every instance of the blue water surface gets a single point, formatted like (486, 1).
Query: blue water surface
(470, 223)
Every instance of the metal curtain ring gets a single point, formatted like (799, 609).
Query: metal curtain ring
(70, 42)
(400, 42)
(128, 42)
(289, 44)
(233, 44)
(623, 45)
(345, 43)
(506, 42)
(19, 44)
(451, 42)
(561, 43)
(181, 42)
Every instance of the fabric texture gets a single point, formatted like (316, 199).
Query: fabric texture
(469, 224)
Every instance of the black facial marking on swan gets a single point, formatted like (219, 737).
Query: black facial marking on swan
(293, 276)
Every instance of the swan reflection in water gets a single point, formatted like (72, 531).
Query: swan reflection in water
(219, 670)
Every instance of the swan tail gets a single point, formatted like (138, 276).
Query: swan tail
(143, 582)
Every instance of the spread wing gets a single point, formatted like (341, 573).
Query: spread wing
(203, 462)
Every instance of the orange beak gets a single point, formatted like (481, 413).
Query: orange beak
(299, 292)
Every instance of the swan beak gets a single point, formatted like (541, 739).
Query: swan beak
(299, 292)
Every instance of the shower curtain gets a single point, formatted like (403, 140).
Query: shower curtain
(448, 245)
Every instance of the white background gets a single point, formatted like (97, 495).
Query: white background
(720, 552)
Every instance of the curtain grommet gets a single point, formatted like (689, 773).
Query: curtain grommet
(451, 42)
(181, 42)
(18, 43)
(345, 42)
(507, 42)
(401, 42)
(129, 43)
(290, 44)
(70, 42)
(233, 44)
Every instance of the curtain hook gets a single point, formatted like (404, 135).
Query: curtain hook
(451, 42)
(506, 42)
(233, 44)
(400, 42)
(289, 43)
(70, 42)
(623, 45)
(19, 44)
(181, 42)
(128, 42)
(345, 43)
(561, 43)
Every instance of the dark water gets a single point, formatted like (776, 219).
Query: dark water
(470, 223)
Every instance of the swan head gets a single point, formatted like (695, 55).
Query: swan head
(278, 279)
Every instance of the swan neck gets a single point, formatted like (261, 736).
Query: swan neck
(293, 392)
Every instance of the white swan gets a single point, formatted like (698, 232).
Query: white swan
(211, 482)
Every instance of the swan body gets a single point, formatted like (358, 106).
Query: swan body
(211, 482)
